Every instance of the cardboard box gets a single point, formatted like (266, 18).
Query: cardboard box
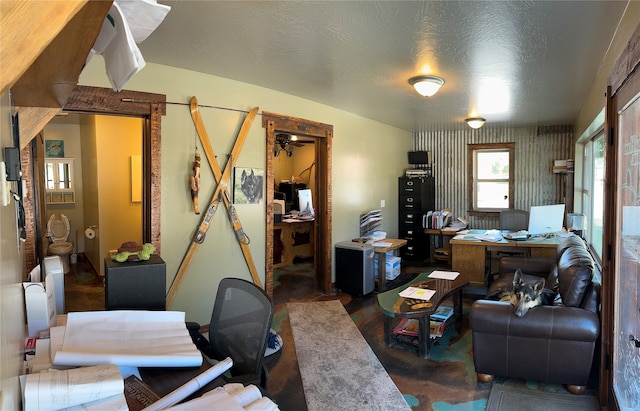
(41, 306)
(392, 267)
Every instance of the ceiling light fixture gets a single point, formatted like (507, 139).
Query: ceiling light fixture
(475, 122)
(426, 85)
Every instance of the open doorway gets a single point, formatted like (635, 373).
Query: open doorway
(104, 192)
(294, 211)
(148, 106)
(320, 135)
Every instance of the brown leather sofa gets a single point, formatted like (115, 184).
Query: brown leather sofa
(551, 343)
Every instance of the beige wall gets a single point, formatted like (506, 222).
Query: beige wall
(12, 316)
(90, 180)
(119, 219)
(108, 180)
(68, 130)
(596, 99)
(368, 156)
(591, 118)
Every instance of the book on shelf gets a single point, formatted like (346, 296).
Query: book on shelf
(409, 326)
(436, 328)
(436, 219)
(443, 312)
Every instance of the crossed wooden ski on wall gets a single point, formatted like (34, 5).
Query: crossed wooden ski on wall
(221, 193)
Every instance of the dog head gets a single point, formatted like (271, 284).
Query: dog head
(525, 295)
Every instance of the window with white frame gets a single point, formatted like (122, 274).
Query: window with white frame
(491, 168)
(593, 192)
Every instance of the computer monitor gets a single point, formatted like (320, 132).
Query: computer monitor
(546, 219)
(305, 202)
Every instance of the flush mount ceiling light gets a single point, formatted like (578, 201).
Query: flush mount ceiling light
(475, 122)
(426, 85)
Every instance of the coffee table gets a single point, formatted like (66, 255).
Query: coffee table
(395, 308)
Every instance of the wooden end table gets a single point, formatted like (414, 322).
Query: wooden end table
(395, 307)
(394, 245)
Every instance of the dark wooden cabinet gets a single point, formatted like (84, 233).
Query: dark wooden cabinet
(416, 197)
(135, 285)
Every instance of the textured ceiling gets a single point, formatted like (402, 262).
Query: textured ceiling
(513, 62)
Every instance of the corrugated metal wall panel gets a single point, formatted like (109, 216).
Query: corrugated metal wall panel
(536, 149)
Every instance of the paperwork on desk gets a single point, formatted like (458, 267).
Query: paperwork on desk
(444, 275)
(493, 236)
(382, 244)
(417, 293)
(99, 388)
(125, 338)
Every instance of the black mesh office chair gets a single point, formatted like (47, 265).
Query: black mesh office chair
(239, 329)
(514, 220)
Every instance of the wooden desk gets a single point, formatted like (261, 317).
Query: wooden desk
(163, 380)
(446, 236)
(292, 239)
(469, 257)
(382, 258)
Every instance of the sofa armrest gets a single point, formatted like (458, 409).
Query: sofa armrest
(544, 322)
(550, 343)
(537, 266)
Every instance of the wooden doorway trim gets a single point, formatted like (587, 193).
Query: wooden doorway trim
(149, 106)
(623, 88)
(323, 136)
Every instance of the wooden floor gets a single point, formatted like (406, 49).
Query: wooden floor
(445, 381)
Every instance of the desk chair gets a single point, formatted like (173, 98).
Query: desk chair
(514, 220)
(510, 220)
(239, 329)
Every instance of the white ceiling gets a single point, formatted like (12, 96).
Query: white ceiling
(513, 62)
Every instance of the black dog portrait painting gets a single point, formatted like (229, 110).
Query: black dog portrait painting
(248, 185)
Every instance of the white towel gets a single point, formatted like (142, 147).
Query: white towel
(122, 57)
(143, 16)
(128, 23)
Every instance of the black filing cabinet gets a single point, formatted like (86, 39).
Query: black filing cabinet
(416, 197)
(135, 285)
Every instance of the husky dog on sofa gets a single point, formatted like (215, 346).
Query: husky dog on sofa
(525, 296)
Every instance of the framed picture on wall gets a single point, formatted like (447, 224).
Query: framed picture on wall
(248, 185)
(54, 148)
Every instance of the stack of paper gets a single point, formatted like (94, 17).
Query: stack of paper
(444, 275)
(369, 222)
(88, 388)
(417, 293)
(126, 338)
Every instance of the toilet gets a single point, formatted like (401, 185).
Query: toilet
(58, 232)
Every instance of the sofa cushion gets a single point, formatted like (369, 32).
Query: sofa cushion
(567, 242)
(575, 271)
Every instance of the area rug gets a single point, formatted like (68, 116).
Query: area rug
(508, 398)
(339, 370)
